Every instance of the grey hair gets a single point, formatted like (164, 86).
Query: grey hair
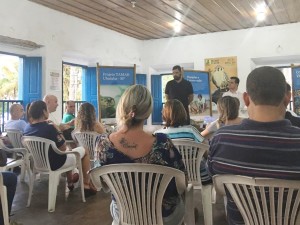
(135, 106)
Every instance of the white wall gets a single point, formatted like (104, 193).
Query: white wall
(65, 38)
(70, 39)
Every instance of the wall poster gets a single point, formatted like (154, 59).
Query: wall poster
(296, 88)
(221, 70)
(112, 82)
(201, 105)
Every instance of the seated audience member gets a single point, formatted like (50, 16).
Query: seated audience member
(70, 112)
(265, 145)
(228, 108)
(16, 113)
(10, 181)
(86, 119)
(295, 120)
(51, 102)
(131, 144)
(69, 118)
(40, 127)
(174, 115)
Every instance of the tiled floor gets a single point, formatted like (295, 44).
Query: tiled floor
(70, 210)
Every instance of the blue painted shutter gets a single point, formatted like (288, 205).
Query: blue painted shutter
(141, 79)
(89, 87)
(32, 80)
(156, 90)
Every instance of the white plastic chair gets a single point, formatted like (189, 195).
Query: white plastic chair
(88, 141)
(141, 204)
(4, 203)
(192, 153)
(39, 148)
(15, 138)
(263, 200)
(12, 163)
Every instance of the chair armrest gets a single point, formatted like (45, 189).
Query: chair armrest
(189, 217)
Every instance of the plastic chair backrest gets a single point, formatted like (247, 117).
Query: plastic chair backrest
(263, 200)
(88, 141)
(15, 137)
(192, 153)
(39, 148)
(138, 203)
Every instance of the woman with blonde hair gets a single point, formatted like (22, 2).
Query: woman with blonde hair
(131, 144)
(228, 108)
(86, 119)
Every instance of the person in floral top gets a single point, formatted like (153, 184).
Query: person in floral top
(131, 144)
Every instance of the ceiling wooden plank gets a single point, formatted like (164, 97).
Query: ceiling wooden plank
(161, 15)
(245, 10)
(270, 19)
(122, 21)
(138, 13)
(278, 9)
(151, 19)
(98, 21)
(198, 8)
(128, 17)
(291, 9)
(187, 11)
(234, 11)
(177, 15)
(216, 9)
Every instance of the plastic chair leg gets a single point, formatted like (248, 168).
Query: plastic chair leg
(31, 184)
(23, 170)
(53, 183)
(207, 204)
(4, 205)
(189, 217)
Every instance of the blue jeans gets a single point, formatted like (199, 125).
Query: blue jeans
(10, 181)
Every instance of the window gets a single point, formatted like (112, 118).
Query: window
(9, 76)
(72, 82)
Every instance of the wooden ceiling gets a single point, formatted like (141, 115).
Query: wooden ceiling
(152, 19)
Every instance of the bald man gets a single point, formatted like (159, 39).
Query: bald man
(16, 113)
(51, 102)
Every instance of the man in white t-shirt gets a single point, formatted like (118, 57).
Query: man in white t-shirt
(16, 113)
(233, 85)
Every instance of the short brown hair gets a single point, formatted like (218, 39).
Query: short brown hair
(266, 86)
(174, 113)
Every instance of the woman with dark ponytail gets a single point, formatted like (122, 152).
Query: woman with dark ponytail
(131, 144)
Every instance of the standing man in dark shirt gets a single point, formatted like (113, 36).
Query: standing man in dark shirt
(180, 89)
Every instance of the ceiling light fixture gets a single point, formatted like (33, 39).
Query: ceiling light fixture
(261, 11)
(177, 26)
(133, 2)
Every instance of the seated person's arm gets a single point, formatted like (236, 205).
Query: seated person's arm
(99, 128)
(60, 140)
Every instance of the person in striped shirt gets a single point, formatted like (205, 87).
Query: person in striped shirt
(266, 144)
